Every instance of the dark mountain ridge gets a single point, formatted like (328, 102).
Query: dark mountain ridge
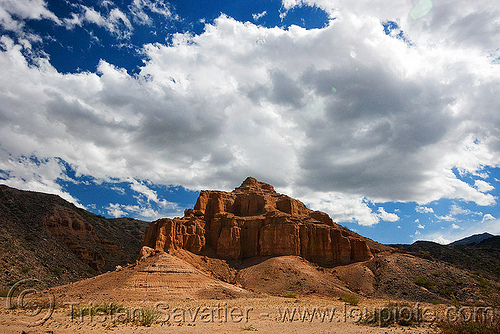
(476, 238)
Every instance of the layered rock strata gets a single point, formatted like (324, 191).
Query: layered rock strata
(255, 220)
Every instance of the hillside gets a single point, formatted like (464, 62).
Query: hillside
(46, 237)
(481, 257)
(255, 241)
(248, 242)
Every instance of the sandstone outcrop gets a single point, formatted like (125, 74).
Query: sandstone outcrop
(255, 220)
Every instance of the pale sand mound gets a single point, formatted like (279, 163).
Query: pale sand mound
(278, 275)
(271, 275)
(210, 264)
(157, 278)
(357, 277)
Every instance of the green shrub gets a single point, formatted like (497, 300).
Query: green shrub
(426, 254)
(104, 308)
(350, 298)
(447, 292)
(289, 294)
(424, 282)
(110, 308)
(148, 316)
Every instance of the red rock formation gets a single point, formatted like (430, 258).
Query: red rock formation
(254, 220)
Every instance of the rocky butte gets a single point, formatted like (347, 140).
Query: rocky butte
(255, 220)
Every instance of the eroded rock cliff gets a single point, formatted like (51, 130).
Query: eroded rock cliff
(255, 220)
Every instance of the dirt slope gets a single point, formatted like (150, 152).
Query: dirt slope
(46, 237)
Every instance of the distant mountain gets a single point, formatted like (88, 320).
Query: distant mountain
(473, 239)
(43, 236)
(493, 242)
(479, 256)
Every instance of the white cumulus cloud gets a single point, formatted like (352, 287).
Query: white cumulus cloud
(483, 186)
(386, 216)
(424, 209)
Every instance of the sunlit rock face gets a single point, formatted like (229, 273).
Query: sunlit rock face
(255, 220)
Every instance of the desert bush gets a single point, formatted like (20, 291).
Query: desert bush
(350, 298)
(148, 316)
(91, 271)
(289, 294)
(249, 328)
(58, 271)
(426, 254)
(393, 313)
(447, 292)
(470, 327)
(424, 282)
(106, 308)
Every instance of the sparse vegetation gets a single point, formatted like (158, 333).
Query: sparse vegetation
(148, 317)
(143, 317)
(472, 327)
(104, 308)
(350, 298)
(426, 254)
(392, 313)
(446, 292)
(290, 294)
(249, 328)
(481, 258)
(481, 280)
(58, 271)
(92, 271)
(424, 282)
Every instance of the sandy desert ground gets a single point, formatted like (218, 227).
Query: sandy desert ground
(164, 293)
(240, 315)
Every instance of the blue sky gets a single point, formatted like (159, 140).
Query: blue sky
(384, 115)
